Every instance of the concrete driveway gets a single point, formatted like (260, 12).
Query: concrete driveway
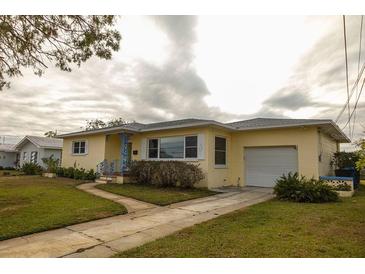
(105, 237)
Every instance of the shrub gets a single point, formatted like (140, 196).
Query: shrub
(344, 159)
(293, 187)
(75, 173)
(51, 164)
(165, 173)
(31, 169)
(1, 168)
(189, 175)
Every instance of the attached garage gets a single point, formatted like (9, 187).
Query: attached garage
(265, 164)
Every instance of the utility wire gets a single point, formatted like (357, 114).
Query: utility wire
(352, 91)
(347, 72)
(357, 101)
(358, 70)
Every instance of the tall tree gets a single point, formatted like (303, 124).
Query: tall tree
(37, 41)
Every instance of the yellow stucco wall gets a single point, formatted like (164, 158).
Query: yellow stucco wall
(304, 138)
(112, 147)
(327, 147)
(95, 154)
(218, 176)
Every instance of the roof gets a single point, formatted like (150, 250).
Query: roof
(41, 142)
(274, 122)
(327, 125)
(7, 148)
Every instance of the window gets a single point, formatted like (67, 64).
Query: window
(191, 146)
(79, 147)
(220, 151)
(173, 147)
(153, 148)
(33, 157)
(25, 156)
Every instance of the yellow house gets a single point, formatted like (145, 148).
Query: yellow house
(245, 153)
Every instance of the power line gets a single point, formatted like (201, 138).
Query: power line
(358, 69)
(352, 91)
(357, 101)
(347, 71)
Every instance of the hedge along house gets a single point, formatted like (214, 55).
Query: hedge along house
(252, 152)
(8, 156)
(32, 149)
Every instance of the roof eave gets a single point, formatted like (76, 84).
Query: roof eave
(92, 132)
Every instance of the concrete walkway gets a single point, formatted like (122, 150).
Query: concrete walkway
(132, 205)
(105, 237)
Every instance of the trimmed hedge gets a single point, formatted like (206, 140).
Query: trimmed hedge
(165, 173)
(75, 173)
(293, 187)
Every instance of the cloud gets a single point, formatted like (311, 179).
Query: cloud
(318, 80)
(133, 89)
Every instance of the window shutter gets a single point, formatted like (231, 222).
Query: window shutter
(201, 147)
(143, 149)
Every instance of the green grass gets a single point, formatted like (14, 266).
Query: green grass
(31, 204)
(11, 173)
(156, 195)
(271, 229)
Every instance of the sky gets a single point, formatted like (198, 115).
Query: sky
(225, 68)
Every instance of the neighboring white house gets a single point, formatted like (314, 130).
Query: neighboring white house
(8, 155)
(33, 149)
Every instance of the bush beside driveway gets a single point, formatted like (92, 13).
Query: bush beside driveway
(31, 204)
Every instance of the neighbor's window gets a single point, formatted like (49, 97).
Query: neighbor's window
(25, 156)
(33, 157)
(153, 148)
(172, 147)
(79, 147)
(191, 146)
(220, 151)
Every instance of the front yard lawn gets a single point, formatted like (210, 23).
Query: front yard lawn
(271, 229)
(156, 195)
(31, 204)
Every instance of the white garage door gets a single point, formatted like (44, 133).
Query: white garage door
(265, 164)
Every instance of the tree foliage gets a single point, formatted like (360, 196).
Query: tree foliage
(37, 41)
(97, 123)
(360, 164)
(51, 134)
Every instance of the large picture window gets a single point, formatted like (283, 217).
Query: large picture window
(173, 147)
(79, 147)
(220, 151)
